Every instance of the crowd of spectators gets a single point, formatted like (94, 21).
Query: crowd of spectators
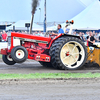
(4, 34)
(83, 36)
(37, 33)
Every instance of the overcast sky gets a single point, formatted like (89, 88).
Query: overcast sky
(57, 10)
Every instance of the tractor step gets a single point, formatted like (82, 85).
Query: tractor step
(40, 57)
(3, 51)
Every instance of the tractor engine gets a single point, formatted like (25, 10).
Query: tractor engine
(36, 50)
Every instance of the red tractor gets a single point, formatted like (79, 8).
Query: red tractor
(62, 52)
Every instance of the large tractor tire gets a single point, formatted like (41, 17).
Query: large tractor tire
(46, 64)
(8, 59)
(19, 54)
(68, 53)
(52, 53)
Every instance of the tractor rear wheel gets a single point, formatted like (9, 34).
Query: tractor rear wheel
(19, 54)
(8, 59)
(68, 53)
(52, 53)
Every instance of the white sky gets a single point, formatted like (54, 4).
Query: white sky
(57, 10)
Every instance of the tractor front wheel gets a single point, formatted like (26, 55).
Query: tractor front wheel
(8, 59)
(19, 54)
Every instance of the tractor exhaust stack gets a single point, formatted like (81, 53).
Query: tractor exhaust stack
(31, 23)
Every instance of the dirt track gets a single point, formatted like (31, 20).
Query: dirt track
(34, 67)
(88, 89)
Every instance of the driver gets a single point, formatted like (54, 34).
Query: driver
(60, 30)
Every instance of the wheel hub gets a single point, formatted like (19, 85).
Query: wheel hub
(9, 57)
(20, 54)
(67, 54)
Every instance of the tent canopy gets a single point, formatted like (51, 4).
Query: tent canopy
(20, 25)
(89, 18)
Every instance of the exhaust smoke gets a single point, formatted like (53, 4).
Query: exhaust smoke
(35, 3)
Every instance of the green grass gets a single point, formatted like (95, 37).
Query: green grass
(49, 75)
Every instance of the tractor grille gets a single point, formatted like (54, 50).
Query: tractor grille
(9, 41)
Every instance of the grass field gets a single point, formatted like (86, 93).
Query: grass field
(49, 75)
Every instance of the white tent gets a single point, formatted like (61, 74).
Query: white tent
(89, 18)
(20, 25)
(53, 28)
(88, 28)
(86, 2)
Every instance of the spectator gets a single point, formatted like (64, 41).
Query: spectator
(36, 33)
(85, 35)
(4, 36)
(90, 40)
(99, 37)
(0, 36)
(93, 33)
(33, 33)
(96, 37)
(26, 32)
(81, 36)
(22, 32)
(67, 30)
(74, 33)
(40, 33)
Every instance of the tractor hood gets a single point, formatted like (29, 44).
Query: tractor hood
(33, 38)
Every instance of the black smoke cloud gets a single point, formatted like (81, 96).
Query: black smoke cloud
(35, 3)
